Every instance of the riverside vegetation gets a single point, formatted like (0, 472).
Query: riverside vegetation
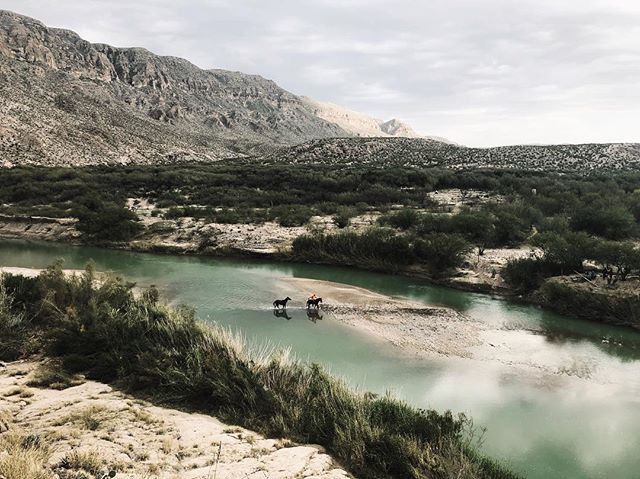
(571, 220)
(100, 328)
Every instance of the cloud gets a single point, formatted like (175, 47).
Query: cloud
(481, 72)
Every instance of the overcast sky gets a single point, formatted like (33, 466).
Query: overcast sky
(479, 72)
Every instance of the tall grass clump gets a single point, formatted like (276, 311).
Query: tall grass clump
(103, 330)
(23, 457)
(376, 248)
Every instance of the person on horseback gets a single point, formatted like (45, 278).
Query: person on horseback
(313, 297)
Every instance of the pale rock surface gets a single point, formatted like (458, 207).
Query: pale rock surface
(141, 440)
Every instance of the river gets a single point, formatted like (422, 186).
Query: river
(576, 414)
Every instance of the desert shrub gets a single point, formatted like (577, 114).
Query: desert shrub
(376, 248)
(83, 461)
(343, 216)
(15, 329)
(65, 102)
(52, 375)
(291, 215)
(570, 299)
(554, 224)
(23, 457)
(404, 219)
(566, 251)
(527, 274)
(441, 251)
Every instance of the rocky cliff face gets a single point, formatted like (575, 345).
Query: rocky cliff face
(64, 100)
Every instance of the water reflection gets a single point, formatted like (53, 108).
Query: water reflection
(281, 313)
(314, 315)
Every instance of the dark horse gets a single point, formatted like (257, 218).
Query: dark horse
(314, 302)
(281, 302)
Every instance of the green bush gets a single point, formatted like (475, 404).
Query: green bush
(376, 248)
(441, 251)
(566, 251)
(403, 219)
(614, 222)
(343, 216)
(527, 274)
(603, 305)
(291, 215)
(107, 222)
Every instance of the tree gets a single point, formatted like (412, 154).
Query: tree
(566, 251)
(624, 256)
(106, 221)
(614, 222)
(477, 227)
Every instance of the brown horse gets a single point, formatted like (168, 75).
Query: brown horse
(314, 302)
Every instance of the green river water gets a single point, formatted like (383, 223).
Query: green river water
(576, 414)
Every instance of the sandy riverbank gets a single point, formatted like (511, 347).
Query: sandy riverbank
(413, 327)
(421, 331)
(32, 272)
(93, 425)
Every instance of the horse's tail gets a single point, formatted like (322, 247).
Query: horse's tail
(275, 303)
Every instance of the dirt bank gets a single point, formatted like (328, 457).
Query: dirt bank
(91, 428)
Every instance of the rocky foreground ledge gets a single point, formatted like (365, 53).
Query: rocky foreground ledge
(91, 428)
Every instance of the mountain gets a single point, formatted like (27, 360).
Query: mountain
(361, 125)
(66, 101)
(421, 153)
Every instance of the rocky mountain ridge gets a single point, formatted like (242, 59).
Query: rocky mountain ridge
(64, 100)
(423, 153)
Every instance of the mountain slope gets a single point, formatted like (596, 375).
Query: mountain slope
(63, 99)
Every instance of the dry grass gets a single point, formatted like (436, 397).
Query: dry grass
(90, 418)
(89, 461)
(23, 457)
(52, 376)
(143, 416)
